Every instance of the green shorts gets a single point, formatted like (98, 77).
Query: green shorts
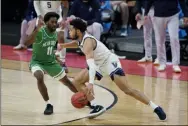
(53, 69)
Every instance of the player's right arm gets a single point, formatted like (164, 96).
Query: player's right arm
(73, 44)
(36, 34)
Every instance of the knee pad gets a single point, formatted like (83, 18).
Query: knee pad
(118, 71)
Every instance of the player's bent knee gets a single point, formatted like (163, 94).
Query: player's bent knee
(37, 71)
(118, 71)
(39, 75)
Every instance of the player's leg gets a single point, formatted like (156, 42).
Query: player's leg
(24, 27)
(118, 76)
(38, 73)
(79, 81)
(173, 28)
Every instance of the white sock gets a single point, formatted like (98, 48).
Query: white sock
(93, 102)
(48, 102)
(152, 105)
(62, 54)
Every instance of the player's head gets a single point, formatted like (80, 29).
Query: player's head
(77, 28)
(50, 19)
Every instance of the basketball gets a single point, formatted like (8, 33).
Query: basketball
(79, 100)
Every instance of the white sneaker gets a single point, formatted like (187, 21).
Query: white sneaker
(156, 62)
(176, 69)
(20, 47)
(145, 59)
(162, 67)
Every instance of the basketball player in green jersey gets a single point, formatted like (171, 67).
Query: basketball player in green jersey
(44, 38)
(44, 61)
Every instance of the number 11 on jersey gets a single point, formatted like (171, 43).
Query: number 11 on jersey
(49, 50)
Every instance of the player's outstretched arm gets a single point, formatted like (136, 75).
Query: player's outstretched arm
(73, 44)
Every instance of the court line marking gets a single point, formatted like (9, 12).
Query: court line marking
(108, 108)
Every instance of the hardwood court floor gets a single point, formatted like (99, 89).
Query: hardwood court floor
(22, 103)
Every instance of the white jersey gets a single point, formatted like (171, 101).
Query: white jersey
(44, 6)
(101, 52)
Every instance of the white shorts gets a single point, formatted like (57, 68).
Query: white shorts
(110, 67)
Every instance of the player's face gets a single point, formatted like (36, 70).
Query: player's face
(52, 24)
(72, 32)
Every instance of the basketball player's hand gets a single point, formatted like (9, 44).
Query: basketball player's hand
(41, 18)
(90, 91)
(138, 17)
(40, 23)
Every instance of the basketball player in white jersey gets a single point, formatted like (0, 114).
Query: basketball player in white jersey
(147, 29)
(101, 62)
(44, 6)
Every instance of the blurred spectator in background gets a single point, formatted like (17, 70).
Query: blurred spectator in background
(88, 10)
(122, 7)
(147, 29)
(106, 6)
(166, 14)
(182, 32)
(26, 25)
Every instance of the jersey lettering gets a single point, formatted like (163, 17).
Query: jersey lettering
(114, 64)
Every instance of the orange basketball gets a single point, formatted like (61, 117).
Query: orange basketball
(79, 100)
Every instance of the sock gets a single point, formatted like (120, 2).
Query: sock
(93, 102)
(48, 102)
(62, 55)
(152, 105)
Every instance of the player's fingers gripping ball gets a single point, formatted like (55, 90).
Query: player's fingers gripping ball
(79, 100)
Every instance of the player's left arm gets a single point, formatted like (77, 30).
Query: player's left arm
(88, 49)
(184, 10)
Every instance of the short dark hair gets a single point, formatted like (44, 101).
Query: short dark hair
(49, 15)
(79, 24)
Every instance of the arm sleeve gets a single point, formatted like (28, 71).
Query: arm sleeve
(37, 7)
(184, 7)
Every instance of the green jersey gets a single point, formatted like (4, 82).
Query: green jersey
(43, 47)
